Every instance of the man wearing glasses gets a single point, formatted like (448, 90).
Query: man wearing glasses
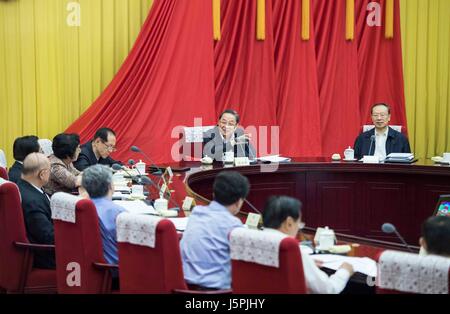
(381, 140)
(227, 136)
(98, 150)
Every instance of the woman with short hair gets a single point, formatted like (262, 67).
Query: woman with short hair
(64, 177)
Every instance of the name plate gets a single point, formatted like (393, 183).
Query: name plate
(241, 161)
(371, 160)
(253, 220)
(188, 203)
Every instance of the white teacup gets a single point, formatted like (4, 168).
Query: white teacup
(326, 241)
(137, 190)
(446, 157)
(349, 154)
(161, 204)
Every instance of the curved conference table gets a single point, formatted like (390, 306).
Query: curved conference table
(352, 198)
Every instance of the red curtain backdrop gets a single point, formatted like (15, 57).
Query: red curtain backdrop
(337, 71)
(244, 73)
(166, 81)
(297, 93)
(319, 91)
(380, 65)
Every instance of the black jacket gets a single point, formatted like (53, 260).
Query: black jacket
(38, 222)
(214, 145)
(15, 172)
(396, 142)
(87, 158)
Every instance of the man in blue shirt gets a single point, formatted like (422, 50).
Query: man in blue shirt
(205, 248)
(97, 181)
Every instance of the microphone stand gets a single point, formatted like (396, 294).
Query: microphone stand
(152, 164)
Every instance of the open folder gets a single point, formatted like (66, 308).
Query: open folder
(137, 207)
(274, 158)
(364, 265)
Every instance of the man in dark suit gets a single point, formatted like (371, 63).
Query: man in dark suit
(382, 139)
(36, 207)
(23, 146)
(98, 150)
(227, 136)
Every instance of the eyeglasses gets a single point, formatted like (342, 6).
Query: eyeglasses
(224, 122)
(381, 115)
(110, 148)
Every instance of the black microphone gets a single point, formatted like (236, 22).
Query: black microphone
(147, 181)
(138, 150)
(390, 228)
(132, 163)
(372, 140)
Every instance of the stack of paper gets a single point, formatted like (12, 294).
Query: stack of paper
(362, 265)
(137, 207)
(179, 222)
(400, 157)
(274, 158)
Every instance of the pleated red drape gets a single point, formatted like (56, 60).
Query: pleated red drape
(319, 91)
(297, 94)
(337, 71)
(380, 65)
(244, 73)
(166, 81)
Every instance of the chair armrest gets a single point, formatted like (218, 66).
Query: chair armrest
(104, 266)
(186, 291)
(34, 246)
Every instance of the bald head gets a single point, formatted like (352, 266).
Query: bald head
(34, 163)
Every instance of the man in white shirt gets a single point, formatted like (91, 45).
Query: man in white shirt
(435, 238)
(283, 214)
(381, 140)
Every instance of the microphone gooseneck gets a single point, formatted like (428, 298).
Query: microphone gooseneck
(118, 167)
(252, 206)
(390, 228)
(138, 150)
(372, 140)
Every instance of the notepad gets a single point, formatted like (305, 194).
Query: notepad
(364, 265)
(274, 158)
(137, 207)
(179, 222)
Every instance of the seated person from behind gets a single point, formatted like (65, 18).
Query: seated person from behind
(36, 207)
(382, 139)
(23, 146)
(435, 238)
(63, 175)
(97, 150)
(97, 181)
(205, 247)
(283, 214)
(227, 136)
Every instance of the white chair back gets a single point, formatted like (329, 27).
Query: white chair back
(46, 146)
(63, 206)
(137, 229)
(255, 246)
(3, 162)
(195, 134)
(413, 273)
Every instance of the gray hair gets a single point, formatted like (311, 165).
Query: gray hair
(97, 180)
